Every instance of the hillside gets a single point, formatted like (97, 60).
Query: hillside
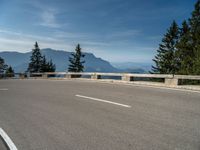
(19, 61)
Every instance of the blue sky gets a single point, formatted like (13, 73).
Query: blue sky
(116, 30)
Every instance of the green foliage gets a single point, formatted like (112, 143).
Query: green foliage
(179, 52)
(47, 66)
(195, 37)
(165, 59)
(50, 66)
(3, 66)
(185, 53)
(44, 65)
(76, 64)
(10, 72)
(38, 63)
(35, 60)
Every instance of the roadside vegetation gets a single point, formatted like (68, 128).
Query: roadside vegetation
(76, 62)
(3, 67)
(5, 70)
(179, 51)
(39, 63)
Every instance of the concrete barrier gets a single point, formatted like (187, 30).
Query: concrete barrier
(168, 79)
(171, 82)
(95, 76)
(127, 78)
(161, 80)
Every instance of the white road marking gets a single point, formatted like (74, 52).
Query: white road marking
(105, 101)
(7, 140)
(3, 89)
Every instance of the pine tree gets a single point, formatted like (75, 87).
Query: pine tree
(76, 63)
(47, 66)
(185, 52)
(166, 60)
(9, 72)
(44, 65)
(51, 66)
(3, 66)
(195, 37)
(35, 60)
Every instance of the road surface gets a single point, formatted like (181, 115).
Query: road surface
(84, 115)
(2, 145)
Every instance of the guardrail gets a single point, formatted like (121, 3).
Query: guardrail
(189, 82)
(168, 79)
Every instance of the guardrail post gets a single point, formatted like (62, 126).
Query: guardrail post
(44, 75)
(95, 76)
(73, 76)
(21, 75)
(127, 78)
(65, 76)
(69, 76)
(171, 82)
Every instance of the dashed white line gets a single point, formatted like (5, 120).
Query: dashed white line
(3, 89)
(7, 140)
(105, 101)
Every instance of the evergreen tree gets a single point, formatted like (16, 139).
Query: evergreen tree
(51, 66)
(35, 60)
(166, 60)
(44, 65)
(181, 54)
(9, 72)
(47, 66)
(76, 64)
(195, 37)
(3, 66)
(185, 52)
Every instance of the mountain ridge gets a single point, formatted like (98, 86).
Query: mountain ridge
(19, 61)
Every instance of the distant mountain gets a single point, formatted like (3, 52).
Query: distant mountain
(19, 61)
(146, 67)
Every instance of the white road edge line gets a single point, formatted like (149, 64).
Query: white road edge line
(105, 101)
(3, 89)
(7, 140)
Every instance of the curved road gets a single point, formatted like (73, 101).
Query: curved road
(84, 115)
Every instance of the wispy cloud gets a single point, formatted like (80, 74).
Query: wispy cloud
(47, 14)
(70, 35)
(48, 18)
(11, 40)
(126, 33)
(122, 35)
(154, 37)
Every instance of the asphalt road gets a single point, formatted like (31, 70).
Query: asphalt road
(2, 145)
(48, 115)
